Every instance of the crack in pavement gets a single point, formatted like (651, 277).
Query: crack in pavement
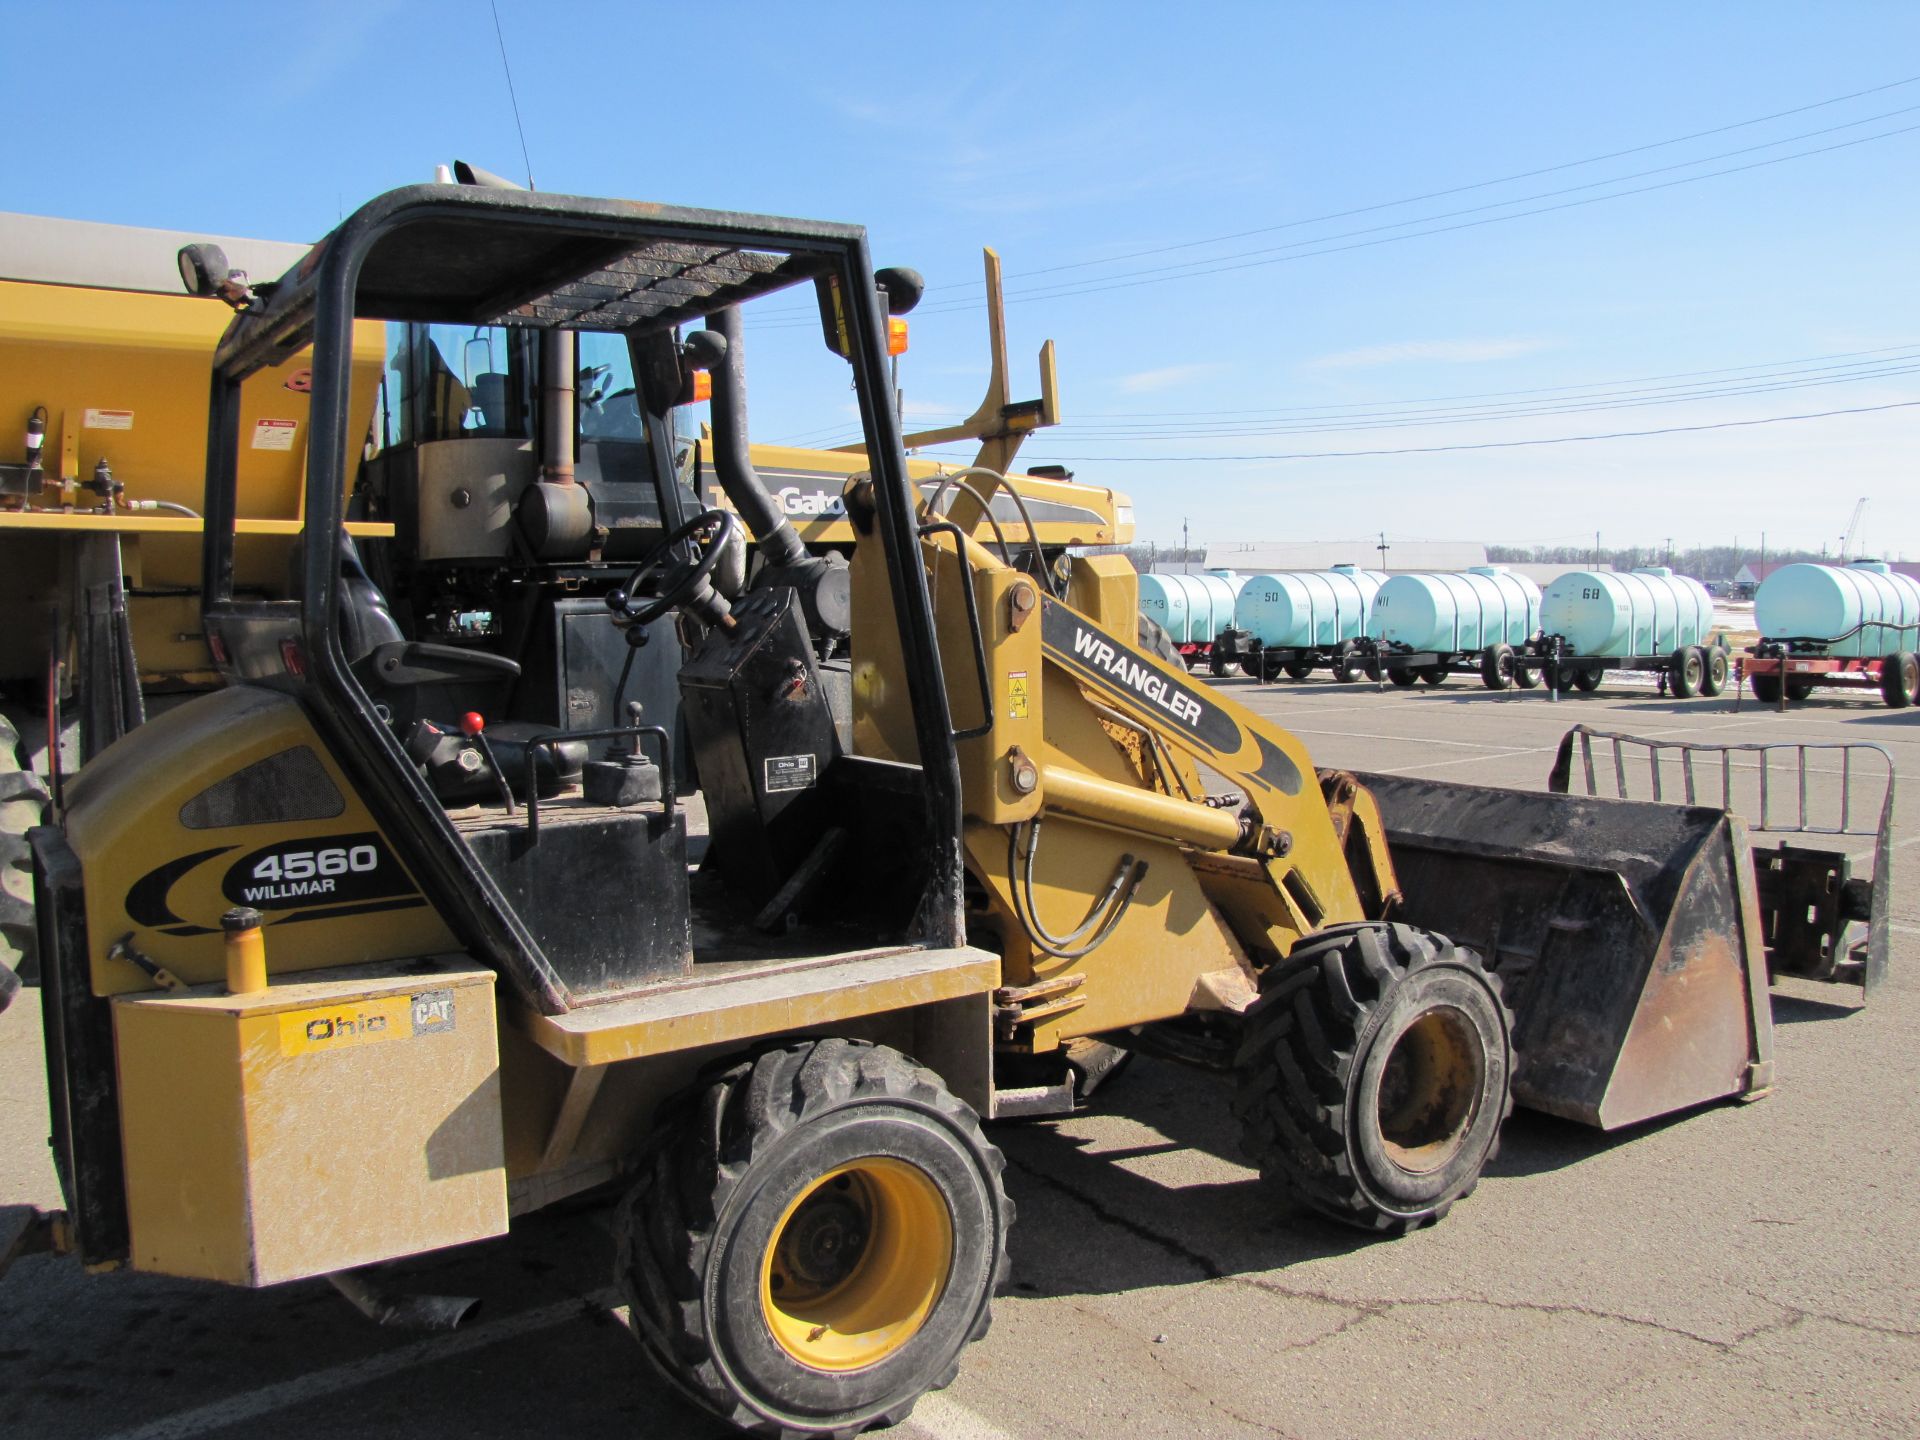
(1365, 1310)
(1189, 1386)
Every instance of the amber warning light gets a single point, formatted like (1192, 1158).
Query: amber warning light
(896, 335)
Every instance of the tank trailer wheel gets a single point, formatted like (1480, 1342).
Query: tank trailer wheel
(1216, 662)
(1587, 678)
(1766, 688)
(1899, 679)
(1344, 666)
(1685, 671)
(1496, 667)
(1403, 677)
(1799, 689)
(817, 1237)
(1714, 679)
(1299, 669)
(1434, 674)
(1375, 1074)
(1526, 679)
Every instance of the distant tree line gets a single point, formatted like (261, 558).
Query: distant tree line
(1702, 562)
(1147, 555)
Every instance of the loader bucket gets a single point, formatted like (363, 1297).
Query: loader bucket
(1626, 935)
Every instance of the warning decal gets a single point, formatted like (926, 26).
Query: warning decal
(274, 434)
(109, 420)
(1018, 694)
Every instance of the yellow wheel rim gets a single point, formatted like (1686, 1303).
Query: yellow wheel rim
(1430, 1089)
(856, 1264)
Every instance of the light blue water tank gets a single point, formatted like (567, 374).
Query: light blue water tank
(1307, 609)
(1191, 608)
(1877, 611)
(1457, 612)
(1640, 612)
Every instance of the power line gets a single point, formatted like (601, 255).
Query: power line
(1455, 190)
(1578, 406)
(1533, 390)
(1504, 444)
(1063, 293)
(1763, 384)
(1468, 188)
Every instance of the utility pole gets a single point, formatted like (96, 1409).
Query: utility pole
(1669, 552)
(1186, 556)
(1383, 548)
(1596, 549)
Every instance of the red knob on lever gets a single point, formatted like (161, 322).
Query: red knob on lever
(472, 723)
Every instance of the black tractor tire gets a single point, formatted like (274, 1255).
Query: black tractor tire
(1155, 640)
(1686, 669)
(1496, 667)
(1403, 677)
(1766, 688)
(1714, 679)
(1375, 1073)
(1434, 674)
(821, 1184)
(1900, 679)
(23, 797)
(1527, 679)
(1798, 690)
(1298, 669)
(1587, 678)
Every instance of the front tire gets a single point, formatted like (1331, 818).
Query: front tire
(1375, 1072)
(1299, 669)
(816, 1240)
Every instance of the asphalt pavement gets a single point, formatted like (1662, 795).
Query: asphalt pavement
(1741, 1270)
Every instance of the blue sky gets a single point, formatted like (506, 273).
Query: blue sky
(1077, 135)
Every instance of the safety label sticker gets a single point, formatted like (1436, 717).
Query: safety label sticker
(791, 772)
(274, 434)
(109, 420)
(1017, 694)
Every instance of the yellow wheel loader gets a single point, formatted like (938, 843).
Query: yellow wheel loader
(103, 372)
(342, 968)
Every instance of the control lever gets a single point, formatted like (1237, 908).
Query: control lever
(627, 776)
(474, 726)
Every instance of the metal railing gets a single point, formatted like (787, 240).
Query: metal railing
(1630, 767)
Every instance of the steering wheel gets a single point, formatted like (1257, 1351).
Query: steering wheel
(681, 581)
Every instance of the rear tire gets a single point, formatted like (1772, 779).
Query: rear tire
(1343, 667)
(1899, 679)
(1766, 688)
(1587, 678)
(1526, 679)
(1714, 680)
(1685, 671)
(1403, 677)
(1299, 669)
(817, 1238)
(1434, 674)
(1375, 1072)
(23, 797)
(1798, 690)
(1496, 667)
(1155, 640)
